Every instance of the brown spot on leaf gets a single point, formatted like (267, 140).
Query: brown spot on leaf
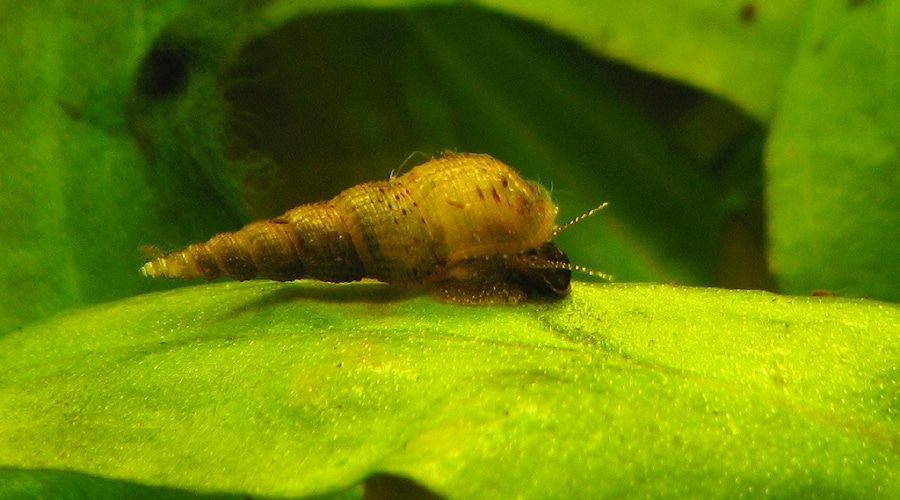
(747, 14)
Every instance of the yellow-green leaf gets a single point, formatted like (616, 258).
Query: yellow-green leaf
(300, 389)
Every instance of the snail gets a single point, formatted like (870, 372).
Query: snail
(464, 225)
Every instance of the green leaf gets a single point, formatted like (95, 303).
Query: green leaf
(59, 485)
(303, 388)
(739, 50)
(80, 193)
(834, 188)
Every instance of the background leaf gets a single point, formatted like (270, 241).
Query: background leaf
(299, 389)
(79, 194)
(739, 49)
(834, 172)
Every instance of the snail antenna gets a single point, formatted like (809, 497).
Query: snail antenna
(578, 219)
(592, 272)
(564, 264)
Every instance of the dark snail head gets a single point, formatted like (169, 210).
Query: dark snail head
(543, 272)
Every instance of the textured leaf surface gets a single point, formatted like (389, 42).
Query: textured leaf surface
(298, 389)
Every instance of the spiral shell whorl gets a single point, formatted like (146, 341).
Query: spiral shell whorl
(308, 241)
(412, 229)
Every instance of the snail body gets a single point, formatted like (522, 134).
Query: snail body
(465, 224)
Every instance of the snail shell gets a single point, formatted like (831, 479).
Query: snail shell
(464, 224)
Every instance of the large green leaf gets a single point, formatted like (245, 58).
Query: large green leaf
(834, 170)
(78, 193)
(299, 389)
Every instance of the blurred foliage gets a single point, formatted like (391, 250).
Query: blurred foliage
(183, 121)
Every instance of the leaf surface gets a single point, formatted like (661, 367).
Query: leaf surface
(300, 389)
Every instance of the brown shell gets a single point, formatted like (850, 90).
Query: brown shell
(462, 223)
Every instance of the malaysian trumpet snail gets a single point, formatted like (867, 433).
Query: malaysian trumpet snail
(464, 225)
